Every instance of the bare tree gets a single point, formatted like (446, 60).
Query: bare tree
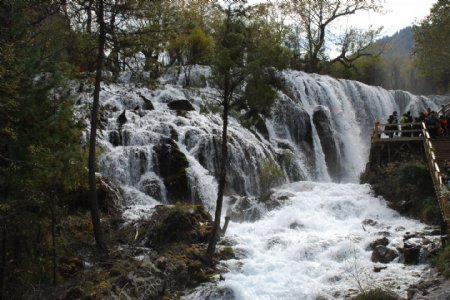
(315, 18)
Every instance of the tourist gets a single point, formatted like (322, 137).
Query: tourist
(443, 125)
(432, 124)
(417, 126)
(404, 125)
(391, 127)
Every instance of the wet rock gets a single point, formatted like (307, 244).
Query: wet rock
(409, 235)
(287, 115)
(411, 254)
(383, 254)
(114, 138)
(379, 268)
(261, 127)
(171, 165)
(326, 135)
(243, 209)
(369, 222)
(180, 223)
(183, 105)
(151, 186)
(384, 241)
(122, 118)
(148, 105)
(434, 231)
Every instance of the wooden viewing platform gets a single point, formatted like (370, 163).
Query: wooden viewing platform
(385, 149)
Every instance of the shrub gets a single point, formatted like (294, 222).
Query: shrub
(442, 261)
(377, 294)
(408, 187)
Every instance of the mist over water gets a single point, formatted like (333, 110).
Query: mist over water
(318, 136)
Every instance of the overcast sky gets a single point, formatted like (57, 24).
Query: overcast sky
(399, 14)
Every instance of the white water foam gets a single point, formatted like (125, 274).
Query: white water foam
(317, 246)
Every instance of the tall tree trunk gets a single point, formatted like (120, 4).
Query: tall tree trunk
(93, 198)
(222, 174)
(89, 17)
(3, 262)
(52, 211)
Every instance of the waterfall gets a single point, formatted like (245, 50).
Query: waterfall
(318, 137)
(319, 130)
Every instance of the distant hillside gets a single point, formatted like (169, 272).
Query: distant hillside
(394, 68)
(399, 44)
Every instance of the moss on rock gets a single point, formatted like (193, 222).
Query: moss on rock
(407, 186)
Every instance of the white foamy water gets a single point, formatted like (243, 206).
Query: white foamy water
(317, 246)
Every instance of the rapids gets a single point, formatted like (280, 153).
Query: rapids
(318, 137)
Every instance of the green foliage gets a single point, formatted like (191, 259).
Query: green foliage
(377, 294)
(40, 155)
(270, 176)
(408, 187)
(432, 38)
(442, 261)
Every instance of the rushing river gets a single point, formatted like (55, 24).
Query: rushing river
(316, 244)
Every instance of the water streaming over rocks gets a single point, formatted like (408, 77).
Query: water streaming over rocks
(160, 149)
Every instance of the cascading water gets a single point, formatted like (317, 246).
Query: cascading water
(319, 133)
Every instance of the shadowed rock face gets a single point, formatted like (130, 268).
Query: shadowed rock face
(180, 105)
(171, 166)
(148, 105)
(326, 135)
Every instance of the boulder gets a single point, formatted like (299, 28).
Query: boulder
(261, 127)
(326, 134)
(383, 241)
(114, 138)
(148, 105)
(383, 254)
(171, 166)
(378, 268)
(243, 209)
(110, 199)
(183, 105)
(411, 254)
(151, 186)
(122, 118)
(181, 223)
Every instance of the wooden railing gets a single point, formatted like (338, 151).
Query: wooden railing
(440, 186)
(414, 134)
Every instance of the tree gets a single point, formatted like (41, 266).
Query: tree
(228, 76)
(431, 51)
(40, 155)
(93, 197)
(193, 48)
(315, 18)
(244, 68)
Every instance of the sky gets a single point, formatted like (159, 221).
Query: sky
(399, 14)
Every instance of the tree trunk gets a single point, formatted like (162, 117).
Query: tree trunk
(222, 174)
(89, 17)
(3, 263)
(93, 199)
(52, 210)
